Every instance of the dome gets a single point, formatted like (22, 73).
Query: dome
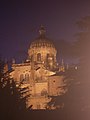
(42, 40)
(42, 49)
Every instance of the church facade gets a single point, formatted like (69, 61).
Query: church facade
(39, 73)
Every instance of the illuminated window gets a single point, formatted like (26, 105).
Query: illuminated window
(27, 77)
(44, 92)
(38, 57)
(21, 77)
(48, 56)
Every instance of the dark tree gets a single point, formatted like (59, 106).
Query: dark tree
(77, 100)
(12, 104)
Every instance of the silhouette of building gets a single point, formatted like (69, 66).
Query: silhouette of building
(40, 73)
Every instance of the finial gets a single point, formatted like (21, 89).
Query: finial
(62, 62)
(13, 61)
(42, 30)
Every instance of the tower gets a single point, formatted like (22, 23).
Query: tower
(42, 50)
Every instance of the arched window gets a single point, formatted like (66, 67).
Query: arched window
(39, 57)
(38, 106)
(50, 58)
(47, 57)
(21, 77)
(27, 77)
(44, 92)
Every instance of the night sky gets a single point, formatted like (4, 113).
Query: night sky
(20, 22)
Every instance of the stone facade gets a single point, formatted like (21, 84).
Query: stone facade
(39, 73)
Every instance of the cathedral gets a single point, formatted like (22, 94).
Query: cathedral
(40, 73)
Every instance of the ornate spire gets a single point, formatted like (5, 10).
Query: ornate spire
(5, 68)
(13, 61)
(62, 67)
(42, 31)
(62, 62)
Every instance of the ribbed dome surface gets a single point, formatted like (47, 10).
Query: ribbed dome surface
(42, 40)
